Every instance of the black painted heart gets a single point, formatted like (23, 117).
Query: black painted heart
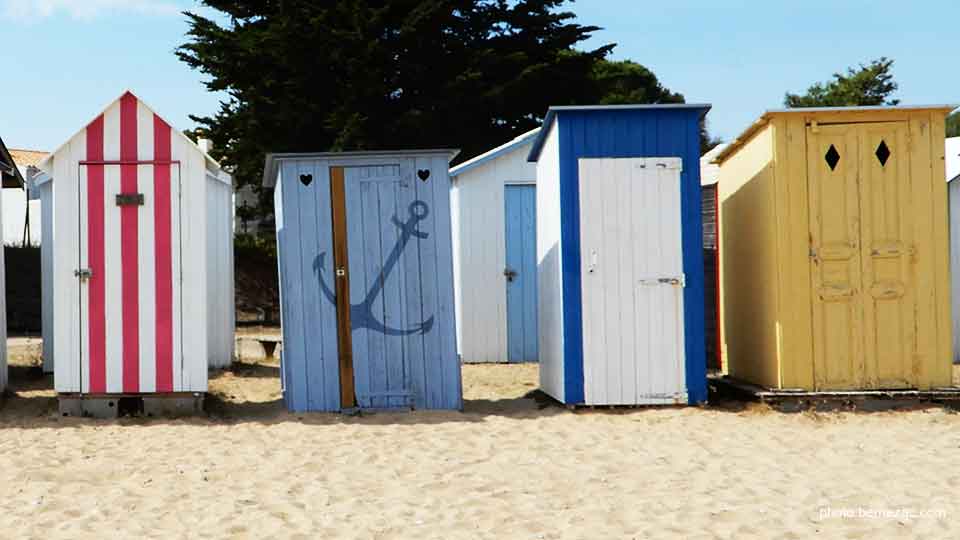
(423, 174)
(305, 179)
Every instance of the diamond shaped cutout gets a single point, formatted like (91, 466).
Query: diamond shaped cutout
(883, 153)
(832, 157)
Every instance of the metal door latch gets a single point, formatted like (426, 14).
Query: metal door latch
(341, 272)
(510, 274)
(83, 273)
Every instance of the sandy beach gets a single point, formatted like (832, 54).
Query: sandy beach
(512, 465)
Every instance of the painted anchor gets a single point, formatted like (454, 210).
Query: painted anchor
(361, 315)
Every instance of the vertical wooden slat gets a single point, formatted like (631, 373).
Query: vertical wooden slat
(941, 371)
(797, 347)
(341, 261)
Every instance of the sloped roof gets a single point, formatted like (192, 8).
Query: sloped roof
(753, 128)
(44, 163)
(10, 175)
(709, 171)
(26, 158)
(519, 142)
(553, 111)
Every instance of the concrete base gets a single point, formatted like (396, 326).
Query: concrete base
(117, 405)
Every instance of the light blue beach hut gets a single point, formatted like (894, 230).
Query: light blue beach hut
(366, 280)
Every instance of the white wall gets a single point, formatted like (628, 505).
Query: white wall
(14, 213)
(220, 298)
(549, 275)
(480, 253)
(953, 191)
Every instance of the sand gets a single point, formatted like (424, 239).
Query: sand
(511, 466)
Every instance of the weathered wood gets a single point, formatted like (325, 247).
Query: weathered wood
(342, 287)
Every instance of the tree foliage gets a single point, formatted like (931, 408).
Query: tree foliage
(303, 75)
(868, 84)
(953, 125)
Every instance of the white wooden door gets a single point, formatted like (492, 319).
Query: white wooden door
(129, 269)
(632, 281)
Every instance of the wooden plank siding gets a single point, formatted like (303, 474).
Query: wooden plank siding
(771, 251)
(162, 316)
(653, 131)
(393, 239)
(479, 243)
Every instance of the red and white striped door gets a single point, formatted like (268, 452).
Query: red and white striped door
(129, 197)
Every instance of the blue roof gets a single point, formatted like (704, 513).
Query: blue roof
(552, 113)
(521, 140)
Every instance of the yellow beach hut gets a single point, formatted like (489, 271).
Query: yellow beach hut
(834, 250)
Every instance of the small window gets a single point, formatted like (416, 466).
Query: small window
(832, 157)
(883, 153)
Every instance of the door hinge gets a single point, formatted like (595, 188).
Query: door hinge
(83, 273)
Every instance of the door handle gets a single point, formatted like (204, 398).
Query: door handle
(510, 274)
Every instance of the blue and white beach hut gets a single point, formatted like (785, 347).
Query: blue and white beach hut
(620, 267)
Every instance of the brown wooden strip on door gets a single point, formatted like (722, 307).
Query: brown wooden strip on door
(340, 263)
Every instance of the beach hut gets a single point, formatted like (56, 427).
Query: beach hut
(9, 176)
(709, 174)
(952, 165)
(834, 250)
(366, 280)
(620, 262)
(137, 256)
(495, 254)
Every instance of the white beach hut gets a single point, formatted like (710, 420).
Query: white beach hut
(951, 158)
(9, 175)
(137, 257)
(495, 254)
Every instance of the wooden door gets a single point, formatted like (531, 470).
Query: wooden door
(859, 193)
(130, 274)
(377, 239)
(632, 281)
(521, 272)
(832, 166)
(885, 229)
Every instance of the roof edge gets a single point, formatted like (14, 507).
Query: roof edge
(490, 155)
(764, 119)
(44, 163)
(270, 160)
(7, 159)
(552, 113)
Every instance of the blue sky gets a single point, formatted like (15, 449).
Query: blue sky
(69, 58)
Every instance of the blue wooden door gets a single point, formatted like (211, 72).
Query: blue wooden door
(385, 224)
(521, 272)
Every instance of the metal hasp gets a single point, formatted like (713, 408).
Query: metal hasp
(83, 273)
(130, 199)
(509, 273)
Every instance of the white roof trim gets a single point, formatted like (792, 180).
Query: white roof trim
(517, 142)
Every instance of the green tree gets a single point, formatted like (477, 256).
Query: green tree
(303, 75)
(624, 82)
(953, 125)
(868, 84)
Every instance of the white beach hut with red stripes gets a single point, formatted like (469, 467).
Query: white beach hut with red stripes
(138, 259)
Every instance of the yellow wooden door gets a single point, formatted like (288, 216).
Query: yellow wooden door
(832, 168)
(860, 221)
(886, 222)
